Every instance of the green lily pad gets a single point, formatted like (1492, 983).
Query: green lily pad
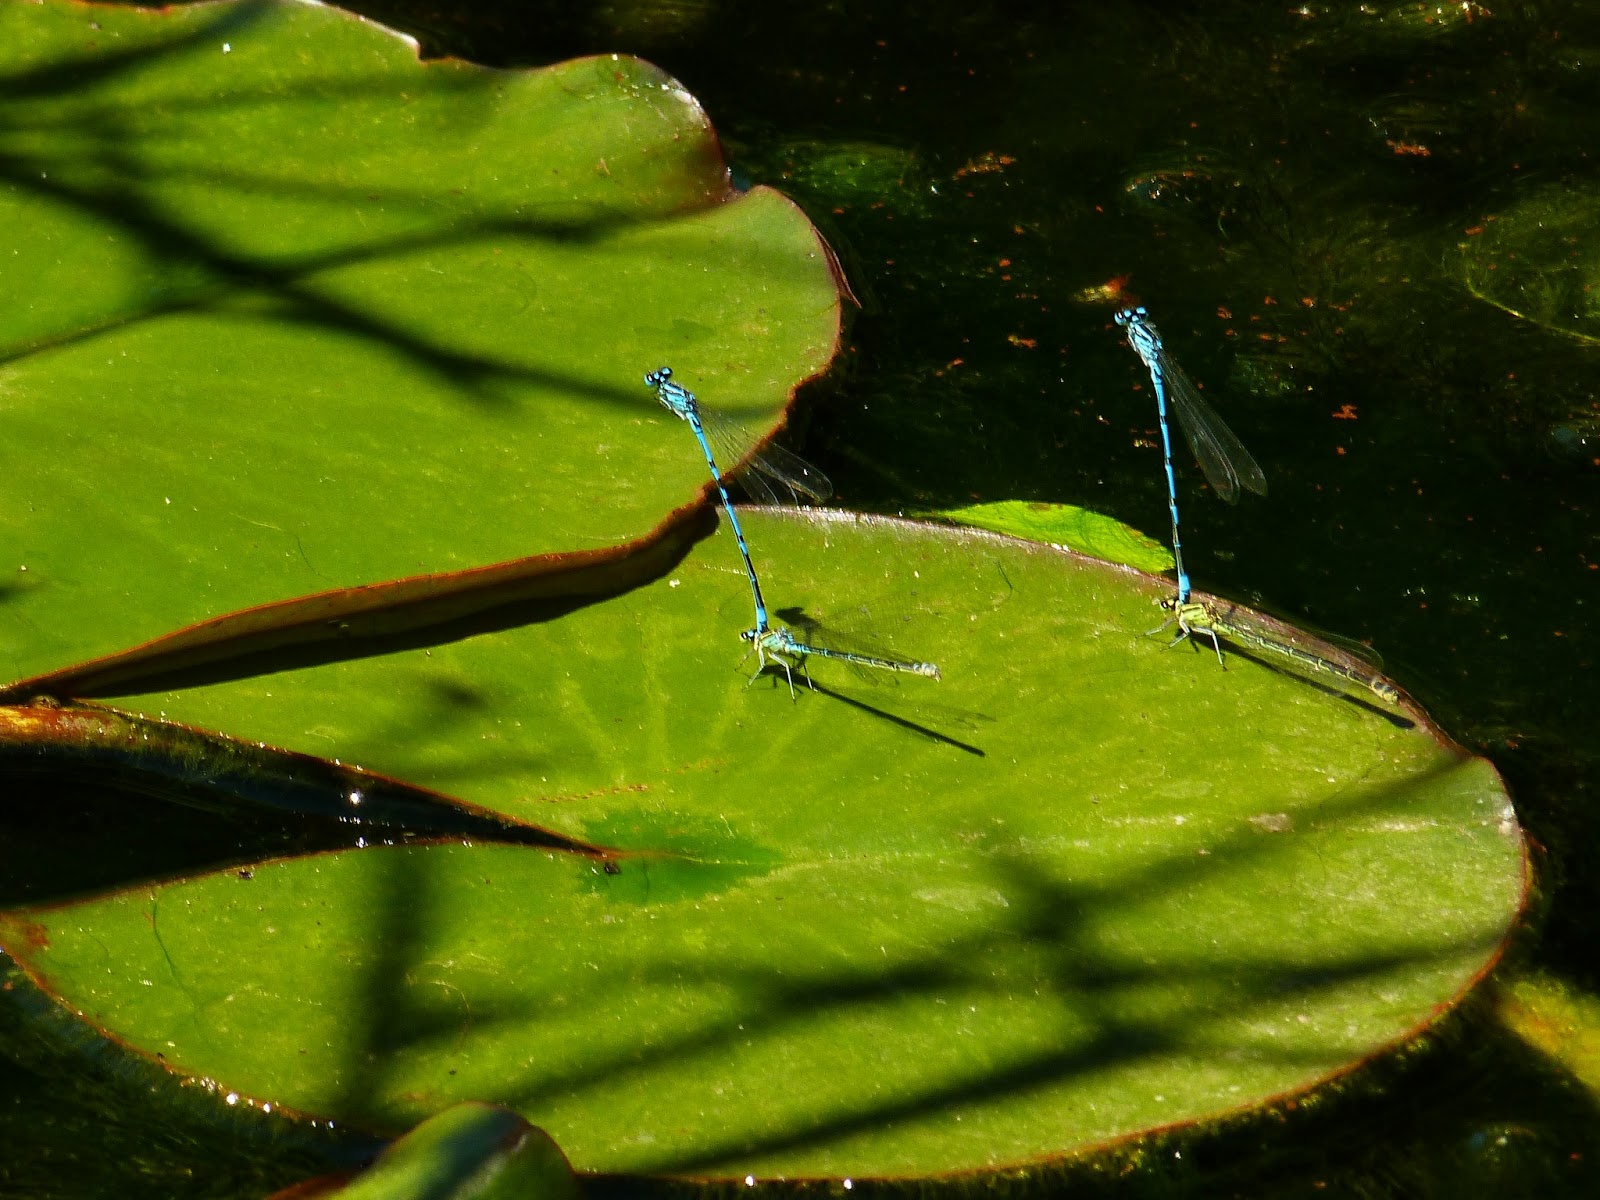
(1082, 887)
(1080, 529)
(468, 1152)
(1540, 260)
(287, 311)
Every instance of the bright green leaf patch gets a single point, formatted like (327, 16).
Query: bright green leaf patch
(1080, 529)
(285, 310)
(468, 1152)
(1083, 886)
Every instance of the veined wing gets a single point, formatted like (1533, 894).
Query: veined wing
(1222, 456)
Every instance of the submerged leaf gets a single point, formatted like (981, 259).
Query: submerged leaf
(1540, 259)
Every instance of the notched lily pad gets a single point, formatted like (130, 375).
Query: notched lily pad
(285, 311)
(1082, 887)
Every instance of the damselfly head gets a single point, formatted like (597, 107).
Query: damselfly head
(750, 635)
(657, 377)
(1168, 603)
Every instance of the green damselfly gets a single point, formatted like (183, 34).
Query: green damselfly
(1217, 620)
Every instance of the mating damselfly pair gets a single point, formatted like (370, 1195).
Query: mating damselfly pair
(760, 472)
(1228, 467)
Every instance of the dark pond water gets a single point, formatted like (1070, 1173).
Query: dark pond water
(1338, 214)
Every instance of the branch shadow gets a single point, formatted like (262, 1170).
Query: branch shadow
(74, 76)
(95, 170)
(1048, 919)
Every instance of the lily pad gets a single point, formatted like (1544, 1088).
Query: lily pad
(468, 1152)
(1082, 887)
(287, 311)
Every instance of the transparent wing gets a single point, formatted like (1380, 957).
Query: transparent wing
(1319, 642)
(771, 474)
(1222, 456)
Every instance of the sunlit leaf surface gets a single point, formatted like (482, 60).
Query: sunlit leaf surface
(285, 310)
(1082, 886)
